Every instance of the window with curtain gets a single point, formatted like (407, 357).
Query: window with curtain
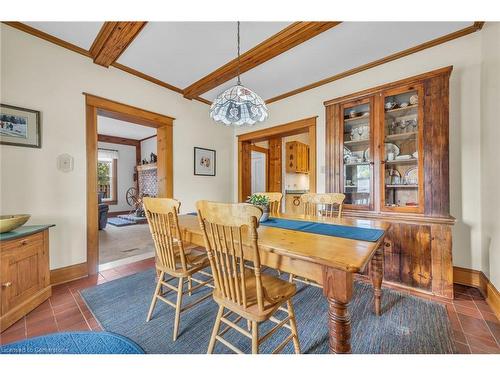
(107, 165)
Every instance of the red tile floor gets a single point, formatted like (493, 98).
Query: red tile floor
(476, 328)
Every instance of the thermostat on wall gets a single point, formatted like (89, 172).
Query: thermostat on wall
(65, 163)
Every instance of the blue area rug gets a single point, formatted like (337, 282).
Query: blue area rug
(119, 222)
(408, 324)
(343, 231)
(74, 343)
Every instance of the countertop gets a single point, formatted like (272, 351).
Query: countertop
(24, 231)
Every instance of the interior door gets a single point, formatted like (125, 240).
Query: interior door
(258, 171)
(275, 160)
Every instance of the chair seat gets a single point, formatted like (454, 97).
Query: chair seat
(196, 259)
(276, 292)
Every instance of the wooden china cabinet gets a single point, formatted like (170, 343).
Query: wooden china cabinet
(387, 151)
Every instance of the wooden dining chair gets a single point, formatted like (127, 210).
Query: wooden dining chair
(323, 204)
(230, 233)
(320, 204)
(274, 201)
(173, 259)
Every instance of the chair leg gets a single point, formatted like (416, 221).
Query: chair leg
(153, 302)
(255, 337)
(249, 325)
(293, 326)
(178, 307)
(290, 278)
(190, 284)
(215, 330)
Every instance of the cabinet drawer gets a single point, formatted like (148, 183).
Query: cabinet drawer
(33, 240)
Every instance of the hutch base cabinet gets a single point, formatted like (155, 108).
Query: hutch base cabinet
(387, 151)
(25, 275)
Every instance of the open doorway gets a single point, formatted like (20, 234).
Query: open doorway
(126, 172)
(96, 108)
(289, 154)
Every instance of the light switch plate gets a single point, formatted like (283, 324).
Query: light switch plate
(65, 163)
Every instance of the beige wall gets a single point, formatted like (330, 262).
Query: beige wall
(42, 76)
(490, 158)
(464, 54)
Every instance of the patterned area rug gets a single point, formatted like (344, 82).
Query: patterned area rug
(407, 325)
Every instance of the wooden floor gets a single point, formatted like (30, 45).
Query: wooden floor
(476, 328)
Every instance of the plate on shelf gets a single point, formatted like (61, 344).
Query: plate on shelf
(366, 154)
(391, 147)
(347, 153)
(411, 176)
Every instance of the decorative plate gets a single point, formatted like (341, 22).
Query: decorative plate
(414, 99)
(391, 147)
(411, 176)
(347, 153)
(366, 154)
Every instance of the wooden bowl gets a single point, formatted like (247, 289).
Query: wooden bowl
(11, 222)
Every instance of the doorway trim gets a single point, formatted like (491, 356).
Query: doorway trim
(94, 106)
(307, 125)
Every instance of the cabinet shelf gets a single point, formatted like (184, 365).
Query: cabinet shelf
(355, 143)
(354, 119)
(402, 136)
(398, 111)
(360, 163)
(401, 161)
(402, 186)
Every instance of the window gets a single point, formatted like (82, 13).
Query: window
(107, 164)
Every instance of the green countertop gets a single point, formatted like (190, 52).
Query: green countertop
(24, 231)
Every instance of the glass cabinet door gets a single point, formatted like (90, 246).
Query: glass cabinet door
(357, 179)
(401, 155)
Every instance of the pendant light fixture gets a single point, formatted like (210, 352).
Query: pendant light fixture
(238, 105)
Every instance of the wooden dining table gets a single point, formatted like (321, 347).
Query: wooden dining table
(327, 260)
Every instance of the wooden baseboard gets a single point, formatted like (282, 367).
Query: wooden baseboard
(69, 273)
(479, 280)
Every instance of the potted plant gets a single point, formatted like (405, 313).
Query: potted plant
(262, 202)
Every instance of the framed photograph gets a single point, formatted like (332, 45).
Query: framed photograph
(204, 162)
(19, 126)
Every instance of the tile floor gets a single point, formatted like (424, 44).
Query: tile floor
(476, 328)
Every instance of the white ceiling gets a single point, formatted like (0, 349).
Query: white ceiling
(346, 46)
(124, 129)
(181, 53)
(81, 34)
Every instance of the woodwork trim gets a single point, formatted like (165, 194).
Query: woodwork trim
(291, 128)
(118, 140)
(259, 149)
(286, 39)
(112, 40)
(478, 279)
(49, 38)
(164, 124)
(72, 47)
(432, 43)
(307, 125)
(69, 273)
(151, 136)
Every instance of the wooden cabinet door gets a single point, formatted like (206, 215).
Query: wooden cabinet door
(22, 273)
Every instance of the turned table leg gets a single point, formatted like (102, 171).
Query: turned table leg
(337, 287)
(377, 274)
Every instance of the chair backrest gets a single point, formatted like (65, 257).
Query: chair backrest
(274, 201)
(164, 226)
(225, 226)
(323, 204)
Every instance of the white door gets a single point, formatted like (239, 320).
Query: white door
(258, 172)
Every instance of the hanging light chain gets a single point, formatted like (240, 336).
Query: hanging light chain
(239, 81)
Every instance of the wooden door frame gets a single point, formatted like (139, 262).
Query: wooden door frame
(264, 151)
(307, 125)
(94, 106)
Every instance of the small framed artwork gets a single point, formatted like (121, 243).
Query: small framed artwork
(19, 126)
(204, 162)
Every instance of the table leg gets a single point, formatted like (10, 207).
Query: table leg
(377, 274)
(337, 287)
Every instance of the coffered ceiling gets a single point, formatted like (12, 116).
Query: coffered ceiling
(279, 59)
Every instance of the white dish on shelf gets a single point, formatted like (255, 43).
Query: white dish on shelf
(403, 157)
(415, 154)
(391, 147)
(411, 176)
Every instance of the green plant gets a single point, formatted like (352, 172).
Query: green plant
(258, 200)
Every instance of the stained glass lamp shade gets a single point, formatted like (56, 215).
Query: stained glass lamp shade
(238, 105)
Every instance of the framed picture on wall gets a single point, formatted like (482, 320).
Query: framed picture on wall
(19, 126)
(204, 162)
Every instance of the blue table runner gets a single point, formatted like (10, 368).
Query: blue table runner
(334, 230)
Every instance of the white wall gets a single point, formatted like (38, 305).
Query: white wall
(465, 55)
(490, 138)
(40, 75)
(147, 147)
(125, 173)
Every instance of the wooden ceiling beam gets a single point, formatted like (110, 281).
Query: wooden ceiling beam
(291, 36)
(118, 140)
(112, 40)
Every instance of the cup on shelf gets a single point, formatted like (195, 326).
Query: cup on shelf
(390, 156)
